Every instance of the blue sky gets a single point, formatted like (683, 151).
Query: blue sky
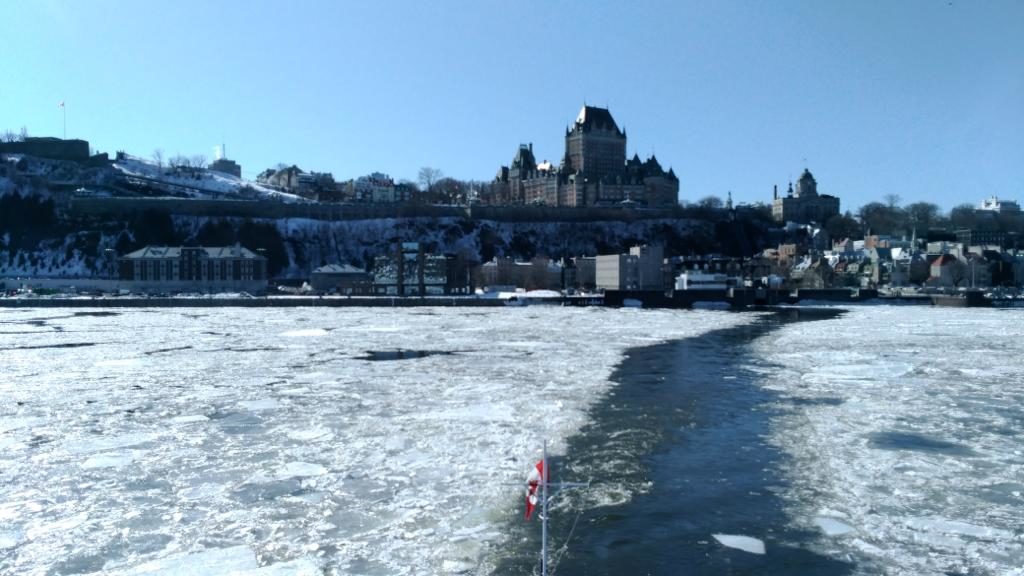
(924, 99)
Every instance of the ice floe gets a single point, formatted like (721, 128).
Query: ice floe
(301, 470)
(264, 450)
(745, 543)
(907, 435)
(832, 527)
(306, 333)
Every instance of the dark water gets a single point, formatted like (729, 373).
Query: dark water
(388, 355)
(687, 420)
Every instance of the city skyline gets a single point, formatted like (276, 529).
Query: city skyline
(919, 99)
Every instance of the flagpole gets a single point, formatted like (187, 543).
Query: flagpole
(543, 483)
(64, 110)
(544, 513)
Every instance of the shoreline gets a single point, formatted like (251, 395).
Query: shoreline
(253, 302)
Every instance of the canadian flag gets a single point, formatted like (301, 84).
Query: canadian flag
(61, 105)
(533, 481)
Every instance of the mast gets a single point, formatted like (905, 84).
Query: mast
(544, 512)
(545, 482)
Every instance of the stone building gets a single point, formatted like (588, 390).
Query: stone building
(227, 167)
(193, 269)
(48, 147)
(593, 171)
(804, 205)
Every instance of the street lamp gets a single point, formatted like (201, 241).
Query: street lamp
(111, 257)
(266, 269)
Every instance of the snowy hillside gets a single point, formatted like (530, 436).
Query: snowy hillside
(127, 175)
(198, 183)
(311, 243)
(40, 243)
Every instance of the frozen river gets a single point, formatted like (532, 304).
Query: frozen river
(382, 441)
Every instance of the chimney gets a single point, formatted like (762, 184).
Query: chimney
(775, 192)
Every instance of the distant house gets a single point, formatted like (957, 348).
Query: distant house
(341, 278)
(814, 273)
(286, 178)
(946, 272)
(379, 188)
(193, 269)
(309, 185)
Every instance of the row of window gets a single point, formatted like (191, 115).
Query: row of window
(212, 270)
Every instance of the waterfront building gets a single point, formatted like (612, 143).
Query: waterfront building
(193, 269)
(700, 280)
(540, 273)
(803, 204)
(342, 279)
(408, 270)
(580, 273)
(593, 171)
(641, 269)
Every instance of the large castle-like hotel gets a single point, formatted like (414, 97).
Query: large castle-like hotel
(593, 172)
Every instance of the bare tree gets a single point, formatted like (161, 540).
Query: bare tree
(9, 136)
(179, 163)
(963, 216)
(712, 202)
(23, 135)
(958, 272)
(199, 162)
(428, 177)
(921, 215)
(158, 157)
